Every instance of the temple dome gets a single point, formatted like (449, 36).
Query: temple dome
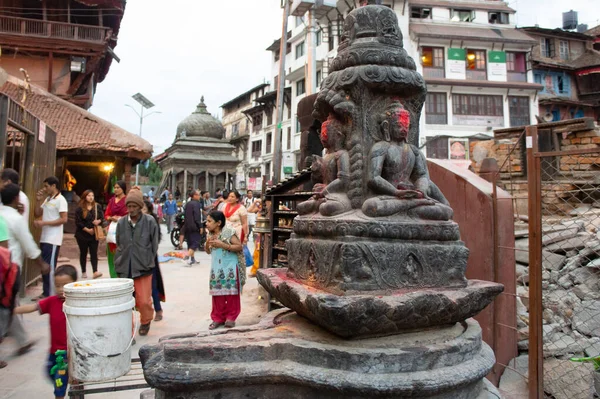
(200, 124)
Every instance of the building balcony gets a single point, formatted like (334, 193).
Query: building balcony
(35, 28)
(433, 73)
(476, 75)
(516, 77)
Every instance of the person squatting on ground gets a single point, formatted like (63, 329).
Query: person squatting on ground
(53, 209)
(227, 272)
(87, 216)
(115, 210)
(158, 286)
(192, 226)
(56, 365)
(137, 247)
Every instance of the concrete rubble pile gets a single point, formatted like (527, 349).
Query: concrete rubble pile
(570, 298)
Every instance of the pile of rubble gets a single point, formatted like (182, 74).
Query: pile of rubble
(570, 298)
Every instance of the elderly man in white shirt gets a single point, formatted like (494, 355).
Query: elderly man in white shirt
(20, 242)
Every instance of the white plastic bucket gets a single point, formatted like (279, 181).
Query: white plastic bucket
(99, 328)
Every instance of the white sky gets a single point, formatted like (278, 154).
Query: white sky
(175, 51)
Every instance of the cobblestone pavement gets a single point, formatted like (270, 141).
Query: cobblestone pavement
(187, 309)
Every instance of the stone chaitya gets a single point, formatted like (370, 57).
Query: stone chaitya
(380, 306)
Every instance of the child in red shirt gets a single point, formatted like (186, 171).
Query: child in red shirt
(53, 306)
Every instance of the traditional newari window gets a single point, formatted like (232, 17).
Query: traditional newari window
(256, 149)
(300, 50)
(473, 104)
(476, 60)
(235, 129)
(563, 48)
(257, 121)
(436, 112)
(432, 57)
(420, 12)
(269, 143)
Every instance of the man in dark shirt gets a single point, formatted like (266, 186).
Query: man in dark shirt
(192, 226)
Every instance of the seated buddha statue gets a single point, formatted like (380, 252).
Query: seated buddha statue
(330, 173)
(398, 174)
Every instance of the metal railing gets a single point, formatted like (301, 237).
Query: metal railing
(53, 29)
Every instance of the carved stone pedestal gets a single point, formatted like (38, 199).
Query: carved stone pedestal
(287, 356)
(362, 315)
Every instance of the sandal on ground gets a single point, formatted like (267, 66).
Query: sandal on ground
(83, 275)
(3, 364)
(159, 316)
(144, 329)
(97, 275)
(214, 325)
(229, 324)
(24, 349)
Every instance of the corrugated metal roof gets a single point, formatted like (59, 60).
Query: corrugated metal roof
(481, 34)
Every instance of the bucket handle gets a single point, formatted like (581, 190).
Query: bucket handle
(137, 324)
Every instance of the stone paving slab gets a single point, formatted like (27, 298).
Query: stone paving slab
(187, 309)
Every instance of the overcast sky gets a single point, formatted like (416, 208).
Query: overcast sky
(174, 52)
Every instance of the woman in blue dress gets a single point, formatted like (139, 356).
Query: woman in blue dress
(227, 272)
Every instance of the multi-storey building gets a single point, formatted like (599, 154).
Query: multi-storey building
(568, 68)
(470, 53)
(65, 46)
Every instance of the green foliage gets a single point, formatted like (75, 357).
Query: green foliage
(594, 360)
(153, 172)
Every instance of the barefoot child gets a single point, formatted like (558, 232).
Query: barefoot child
(53, 305)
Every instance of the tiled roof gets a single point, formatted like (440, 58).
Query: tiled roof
(75, 127)
(498, 35)
(590, 58)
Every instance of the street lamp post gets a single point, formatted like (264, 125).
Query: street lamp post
(145, 104)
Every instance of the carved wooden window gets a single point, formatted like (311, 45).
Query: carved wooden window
(256, 149)
(436, 112)
(269, 143)
(420, 12)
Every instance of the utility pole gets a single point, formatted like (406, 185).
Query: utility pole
(277, 155)
(145, 104)
(311, 56)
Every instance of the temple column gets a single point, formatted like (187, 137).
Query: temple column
(195, 184)
(226, 180)
(127, 170)
(214, 187)
(206, 182)
(185, 185)
(173, 182)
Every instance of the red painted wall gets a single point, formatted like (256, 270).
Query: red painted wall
(471, 198)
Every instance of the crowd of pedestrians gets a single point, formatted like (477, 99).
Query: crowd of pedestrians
(220, 224)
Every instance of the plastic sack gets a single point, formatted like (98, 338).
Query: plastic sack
(111, 235)
(248, 256)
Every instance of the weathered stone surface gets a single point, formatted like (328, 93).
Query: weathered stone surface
(287, 351)
(586, 318)
(513, 383)
(556, 236)
(584, 292)
(360, 265)
(364, 315)
(550, 260)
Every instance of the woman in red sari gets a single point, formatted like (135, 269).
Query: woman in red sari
(115, 210)
(236, 215)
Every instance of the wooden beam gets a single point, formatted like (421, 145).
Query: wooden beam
(91, 66)
(50, 66)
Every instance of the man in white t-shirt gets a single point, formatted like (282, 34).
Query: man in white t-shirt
(53, 210)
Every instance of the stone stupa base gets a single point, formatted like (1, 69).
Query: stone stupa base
(286, 356)
(367, 314)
